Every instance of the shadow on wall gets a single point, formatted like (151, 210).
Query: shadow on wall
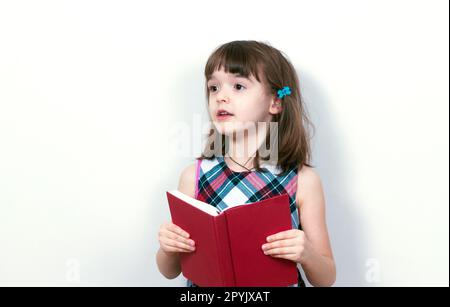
(346, 228)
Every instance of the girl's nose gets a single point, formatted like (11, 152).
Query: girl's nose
(222, 97)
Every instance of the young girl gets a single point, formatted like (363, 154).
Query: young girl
(252, 82)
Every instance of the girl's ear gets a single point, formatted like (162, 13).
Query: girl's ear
(275, 106)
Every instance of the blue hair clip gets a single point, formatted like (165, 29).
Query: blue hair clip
(285, 91)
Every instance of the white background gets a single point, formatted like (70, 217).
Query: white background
(96, 97)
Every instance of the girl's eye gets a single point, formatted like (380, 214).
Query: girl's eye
(212, 88)
(239, 86)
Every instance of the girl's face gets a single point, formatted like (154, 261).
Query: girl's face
(246, 99)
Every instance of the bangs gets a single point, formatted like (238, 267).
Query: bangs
(235, 58)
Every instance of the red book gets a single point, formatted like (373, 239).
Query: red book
(228, 244)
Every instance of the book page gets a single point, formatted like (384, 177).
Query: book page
(233, 206)
(211, 210)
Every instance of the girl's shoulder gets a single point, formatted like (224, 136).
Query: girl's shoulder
(307, 172)
(309, 184)
(187, 180)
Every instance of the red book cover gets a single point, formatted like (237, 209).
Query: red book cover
(228, 243)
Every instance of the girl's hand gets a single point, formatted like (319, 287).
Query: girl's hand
(290, 244)
(173, 239)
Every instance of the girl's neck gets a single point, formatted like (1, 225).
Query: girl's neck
(243, 150)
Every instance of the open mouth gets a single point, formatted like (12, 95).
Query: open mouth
(222, 115)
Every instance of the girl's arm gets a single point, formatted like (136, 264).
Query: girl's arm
(311, 246)
(317, 260)
(169, 262)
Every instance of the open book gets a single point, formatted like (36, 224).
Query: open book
(228, 244)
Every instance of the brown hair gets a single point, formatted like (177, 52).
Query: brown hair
(269, 66)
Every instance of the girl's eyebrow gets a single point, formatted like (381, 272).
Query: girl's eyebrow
(236, 75)
(242, 77)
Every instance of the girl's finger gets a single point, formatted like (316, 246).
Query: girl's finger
(177, 244)
(178, 230)
(288, 234)
(177, 237)
(280, 243)
(285, 256)
(175, 249)
(169, 248)
(280, 251)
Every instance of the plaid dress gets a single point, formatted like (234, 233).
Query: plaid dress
(221, 187)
